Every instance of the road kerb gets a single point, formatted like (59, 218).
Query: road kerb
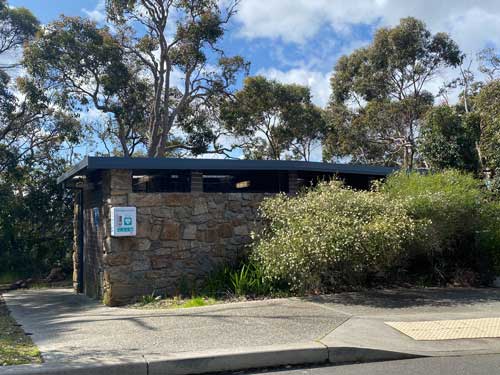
(342, 355)
(232, 360)
(118, 366)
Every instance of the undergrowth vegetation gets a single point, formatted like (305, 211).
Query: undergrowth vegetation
(228, 282)
(331, 236)
(16, 348)
(437, 229)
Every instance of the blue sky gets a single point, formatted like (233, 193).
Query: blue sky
(299, 41)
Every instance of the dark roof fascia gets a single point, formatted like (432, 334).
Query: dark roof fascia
(105, 163)
(75, 170)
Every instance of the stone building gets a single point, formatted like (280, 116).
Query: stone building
(192, 215)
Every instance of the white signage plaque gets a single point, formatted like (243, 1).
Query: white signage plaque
(123, 221)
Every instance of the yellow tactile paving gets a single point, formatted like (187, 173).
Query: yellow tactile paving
(449, 329)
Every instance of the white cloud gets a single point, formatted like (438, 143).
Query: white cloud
(317, 81)
(98, 14)
(471, 23)
(299, 20)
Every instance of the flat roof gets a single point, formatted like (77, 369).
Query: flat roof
(95, 163)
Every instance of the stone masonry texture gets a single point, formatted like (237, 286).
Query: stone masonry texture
(181, 238)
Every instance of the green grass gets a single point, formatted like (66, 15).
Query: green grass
(174, 303)
(15, 347)
(195, 302)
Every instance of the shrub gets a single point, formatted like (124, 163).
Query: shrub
(243, 280)
(489, 235)
(330, 235)
(217, 283)
(449, 206)
(451, 199)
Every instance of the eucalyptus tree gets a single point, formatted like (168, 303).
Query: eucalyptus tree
(82, 66)
(393, 71)
(489, 63)
(35, 217)
(176, 44)
(17, 26)
(31, 129)
(270, 118)
(448, 139)
(487, 103)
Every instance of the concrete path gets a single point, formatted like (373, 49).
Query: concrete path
(365, 336)
(69, 327)
(72, 330)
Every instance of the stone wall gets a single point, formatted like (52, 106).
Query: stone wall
(181, 237)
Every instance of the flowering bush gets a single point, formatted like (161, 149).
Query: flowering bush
(433, 227)
(331, 235)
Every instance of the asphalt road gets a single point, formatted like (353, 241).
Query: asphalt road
(467, 365)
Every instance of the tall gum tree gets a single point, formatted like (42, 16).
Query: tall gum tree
(177, 38)
(83, 66)
(393, 71)
(31, 130)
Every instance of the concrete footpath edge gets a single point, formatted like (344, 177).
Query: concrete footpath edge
(343, 355)
(239, 359)
(116, 366)
(213, 361)
(185, 363)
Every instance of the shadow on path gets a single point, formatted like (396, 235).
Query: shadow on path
(410, 298)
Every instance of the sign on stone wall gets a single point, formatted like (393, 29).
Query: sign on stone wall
(95, 212)
(123, 221)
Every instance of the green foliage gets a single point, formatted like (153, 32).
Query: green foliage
(81, 66)
(35, 214)
(195, 302)
(489, 110)
(17, 25)
(386, 80)
(35, 220)
(407, 51)
(330, 236)
(156, 302)
(448, 139)
(453, 205)
(16, 348)
(449, 200)
(489, 233)
(149, 298)
(217, 284)
(242, 281)
(272, 117)
(436, 227)
(246, 279)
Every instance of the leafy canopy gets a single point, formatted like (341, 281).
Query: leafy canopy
(448, 139)
(82, 66)
(179, 39)
(271, 117)
(392, 71)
